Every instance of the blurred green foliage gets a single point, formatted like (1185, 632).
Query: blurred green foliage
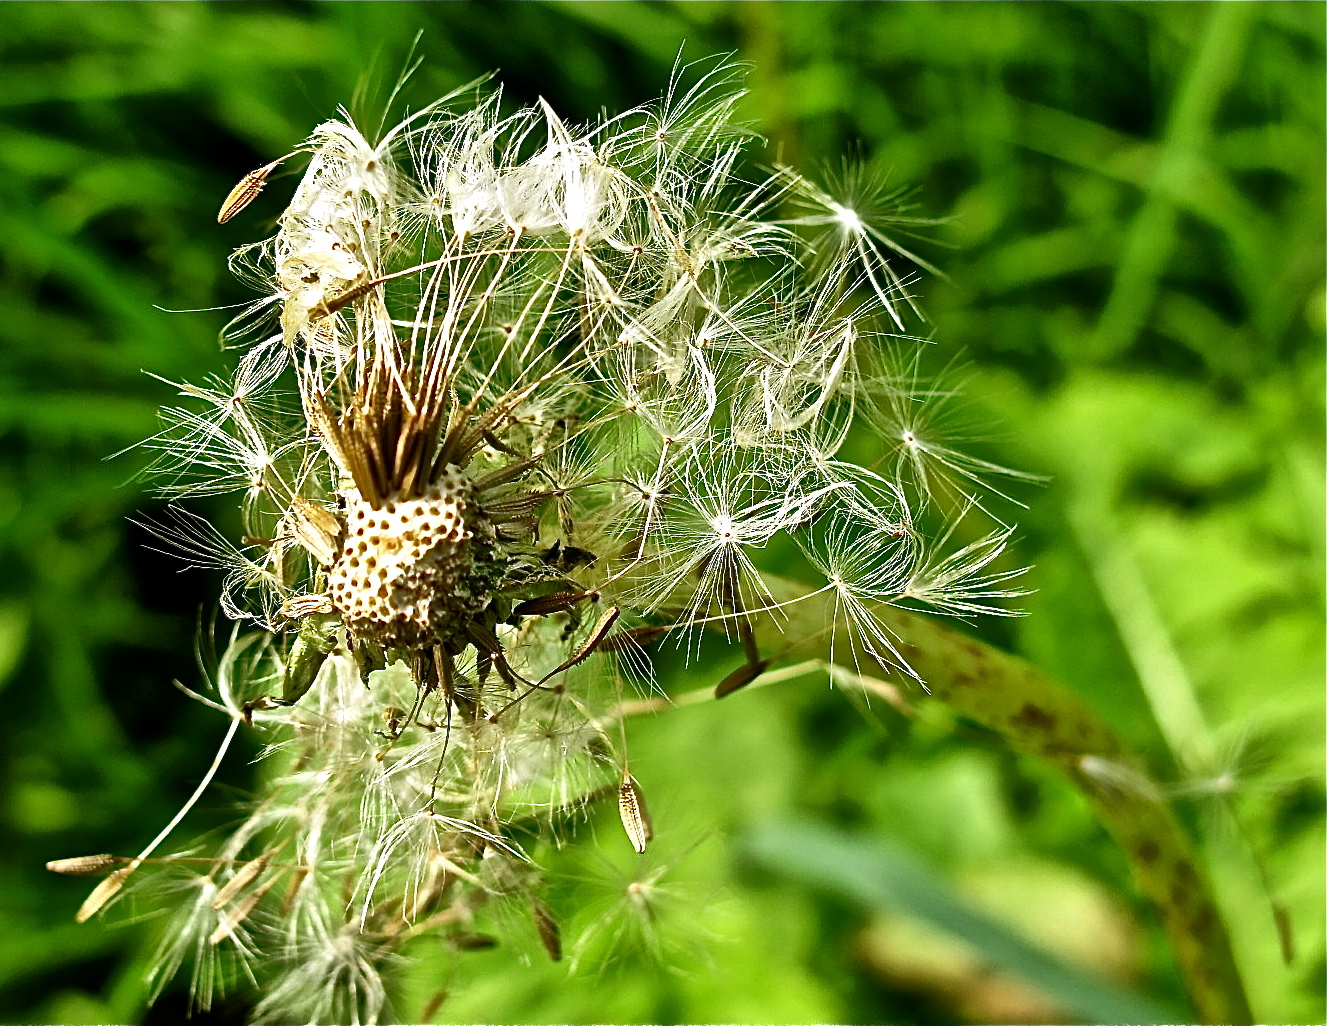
(1130, 209)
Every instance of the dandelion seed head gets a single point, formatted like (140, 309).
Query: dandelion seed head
(405, 570)
(520, 396)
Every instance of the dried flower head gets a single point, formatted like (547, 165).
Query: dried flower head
(535, 394)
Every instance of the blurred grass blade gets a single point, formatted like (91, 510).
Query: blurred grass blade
(883, 878)
(1038, 716)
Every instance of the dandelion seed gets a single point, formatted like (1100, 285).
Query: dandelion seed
(103, 893)
(595, 638)
(244, 876)
(549, 933)
(635, 817)
(740, 678)
(246, 191)
(82, 865)
(237, 914)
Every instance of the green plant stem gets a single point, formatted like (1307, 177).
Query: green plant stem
(1151, 239)
(1038, 716)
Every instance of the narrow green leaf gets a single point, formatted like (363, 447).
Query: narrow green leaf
(884, 878)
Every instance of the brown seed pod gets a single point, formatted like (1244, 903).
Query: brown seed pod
(246, 191)
(740, 678)
(545, 604)
(306, 605)
(244, 876)
(632, 638)
(434, 1003)
(316, 528)
(82, 865)
(240, 912)
(595, 638)
(103, 893)
(635, 816)
(297, 877)
(550, 936)
(473, 941)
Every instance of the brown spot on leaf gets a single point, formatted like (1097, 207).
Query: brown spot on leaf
(1186, 873)
(1034, 717)
(1204, 916)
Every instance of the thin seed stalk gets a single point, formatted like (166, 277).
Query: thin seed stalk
(1038, 716)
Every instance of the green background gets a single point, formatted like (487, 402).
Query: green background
(1130, 207)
